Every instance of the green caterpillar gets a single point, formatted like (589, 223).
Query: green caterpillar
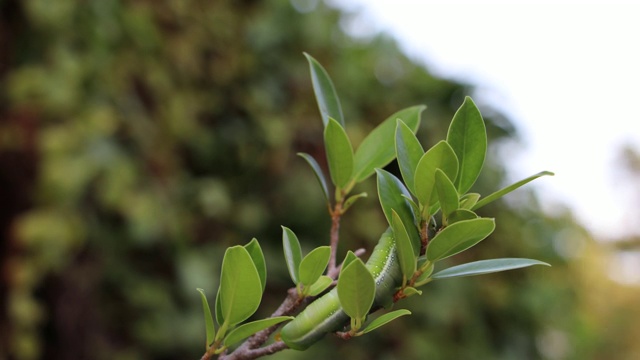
(325, 314)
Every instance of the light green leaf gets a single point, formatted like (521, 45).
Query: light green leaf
(410, 291)
(461, 214)
(348, 259)
(404, 248)
(245, 330)
(468, 138)
(409, 151)
(486, 267)
(500, 193)
(356, 289)
(313, 265)
(218, 312)
(292, 253)
(440, 156)
(339, 153)
(319, 286)
(391, 193)
(467, 201)
(318, 172)
(458, 237)
(326, 95)
(255, 251)
(377, 150)
(208, 319)
(352, 199)
(240, 287)
(385, 319)
(447, 195)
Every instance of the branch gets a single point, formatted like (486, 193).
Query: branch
(336, 215)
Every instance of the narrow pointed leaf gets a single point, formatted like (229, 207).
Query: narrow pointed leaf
(208, 319)
(460, 215)
(458, 237)
(240, 287)
(467, 136)
(313, 265)
(404, 247)
(409, 151)
(218, 311)
(393, 197)
(377, 148)
(320, 285)
(447, 194)
(486, 267)
(502, 192)
(325, 92)
(356, 289)
(292, 253)
(245, 330)
(339, 153)
(255, 251)
(468, 201)
(385, 319)
(440, 156)
(317, 170)
(352, 199)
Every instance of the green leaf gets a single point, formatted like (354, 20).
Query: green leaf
(313, 265)
(240, 287)
(348, 259)
(468, 138)
(410, 291)
(467, 201)
(292, 253)
(255, 251)
(356, 289)
(500, 193)
(339, 153)
(460, 215)
(458, 237)
(385, 319)
(409, 151)
(440, 156)
(404, 248)
(351, 200)
(447, 195)
(391, 193)
(486, 267)
(377, 150)
(208, 319)
(318, 172)
(245, 330)
(219, 317)
(326, 95)
(319, 286)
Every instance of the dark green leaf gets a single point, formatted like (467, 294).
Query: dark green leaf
(313, 265)
(384, 319)
(292, 253)
(392, 194)
(440, 156)
(458, 237)
(245, 330)
(447, 195)
(486, 267)
(500, 193)
(404, 248)
(377, 150)
(319, 286)
(409, 152)
(326, 95)
(240, 287)
(208, 319)
(318, 172)
(356, 289)
(468, 138)
(218, 312)
(255, 251)
(339, 153)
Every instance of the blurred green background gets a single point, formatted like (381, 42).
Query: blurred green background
(139, 139)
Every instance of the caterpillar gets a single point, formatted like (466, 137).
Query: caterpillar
(325, 314)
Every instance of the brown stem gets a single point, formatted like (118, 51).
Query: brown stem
(336, 215)
(424, 236)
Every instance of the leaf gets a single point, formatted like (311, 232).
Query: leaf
(404, 248)
(461, 214)
(391, 193)
(502, 192)
(351, 200)
(313, 265)
(467, 136)
(245, 330)
(385, 319)
(440, 156)
(447, 195)
(377, 148)
(208, 319)
(292, 253)
(409, 151)
(410, 291)
(240, 287)
(255, 251)
(319, 286)
(339, 153)
(458, 237)
(326, 95)
(219, 317)
(318, 172)
(356, 289)
(486, 267)
(348, 259)
(467, 201)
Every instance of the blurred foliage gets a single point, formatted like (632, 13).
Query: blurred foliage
(139, 139)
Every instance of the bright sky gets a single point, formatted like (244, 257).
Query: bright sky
(568, 75)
